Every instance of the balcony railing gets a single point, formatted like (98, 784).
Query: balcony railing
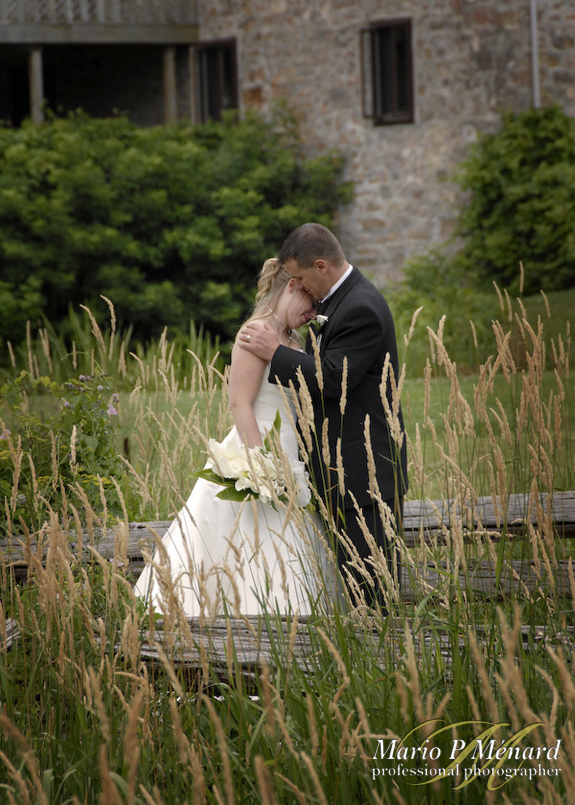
(112, 12)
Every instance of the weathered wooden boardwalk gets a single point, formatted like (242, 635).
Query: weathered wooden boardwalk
(425, 522)
(246, 642)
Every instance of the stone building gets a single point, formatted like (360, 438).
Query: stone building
(401, 87)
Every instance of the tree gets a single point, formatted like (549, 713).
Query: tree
(521, 208)
(170, 223)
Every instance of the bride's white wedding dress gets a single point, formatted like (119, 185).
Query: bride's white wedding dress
(244, 558)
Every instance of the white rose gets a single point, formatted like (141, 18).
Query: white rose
(229, 459)
(265, 474)
(254, 469)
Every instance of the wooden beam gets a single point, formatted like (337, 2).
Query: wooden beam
(425, 519)
(96, 33)
(170, 87)
(193, 85)
(36, 79)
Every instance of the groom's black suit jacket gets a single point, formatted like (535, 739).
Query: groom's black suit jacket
(359, 328)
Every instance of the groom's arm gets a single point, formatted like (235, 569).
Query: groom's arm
(359, 336)
(285, 364)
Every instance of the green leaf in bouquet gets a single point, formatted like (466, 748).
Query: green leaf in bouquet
(209, 475)
(231, 493)
(275, 429)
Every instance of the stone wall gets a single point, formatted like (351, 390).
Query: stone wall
(472, 60)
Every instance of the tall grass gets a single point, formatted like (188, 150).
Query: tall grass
(86, 719)
(89, 349)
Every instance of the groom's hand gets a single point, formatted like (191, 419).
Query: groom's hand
(258, 337)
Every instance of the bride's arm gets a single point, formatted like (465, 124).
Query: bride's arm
(246, 374)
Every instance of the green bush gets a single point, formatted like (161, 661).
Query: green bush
(521, 209)
(53, 438)
(521, 205)
(171, 223)
(436, 283)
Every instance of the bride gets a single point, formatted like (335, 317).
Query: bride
(220, 556)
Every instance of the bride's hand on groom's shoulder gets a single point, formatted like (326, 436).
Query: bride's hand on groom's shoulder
(259, 338)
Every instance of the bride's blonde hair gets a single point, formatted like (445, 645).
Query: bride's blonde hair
(272, 281)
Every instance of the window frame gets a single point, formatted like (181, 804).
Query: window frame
(204, 107)
(373, 79)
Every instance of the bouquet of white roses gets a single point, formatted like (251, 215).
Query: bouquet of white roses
(252, 471)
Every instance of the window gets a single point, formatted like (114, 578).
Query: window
(388, 72)
(216, 79)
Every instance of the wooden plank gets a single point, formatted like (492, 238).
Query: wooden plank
(170, 86)
(225, 644)
(422, 519)
(480, 578)
(94, 33)
(492, 513)
(148, 12)
(36, 82)
(428, 517)
(431, 516)
(12, 631)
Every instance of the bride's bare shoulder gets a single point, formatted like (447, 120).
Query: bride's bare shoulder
(259, 324)
(244, 360)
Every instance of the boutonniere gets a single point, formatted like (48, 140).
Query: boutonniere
(320, 321)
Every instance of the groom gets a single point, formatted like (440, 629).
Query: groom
(356, 325)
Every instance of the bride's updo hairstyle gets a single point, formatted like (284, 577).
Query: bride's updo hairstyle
(271, 283)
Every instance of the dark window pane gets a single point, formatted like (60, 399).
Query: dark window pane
(216, 80)
(228, 79)
(391, 59)
(401, 68)
(211, 83)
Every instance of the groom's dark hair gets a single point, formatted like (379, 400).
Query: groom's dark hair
(310, 242)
